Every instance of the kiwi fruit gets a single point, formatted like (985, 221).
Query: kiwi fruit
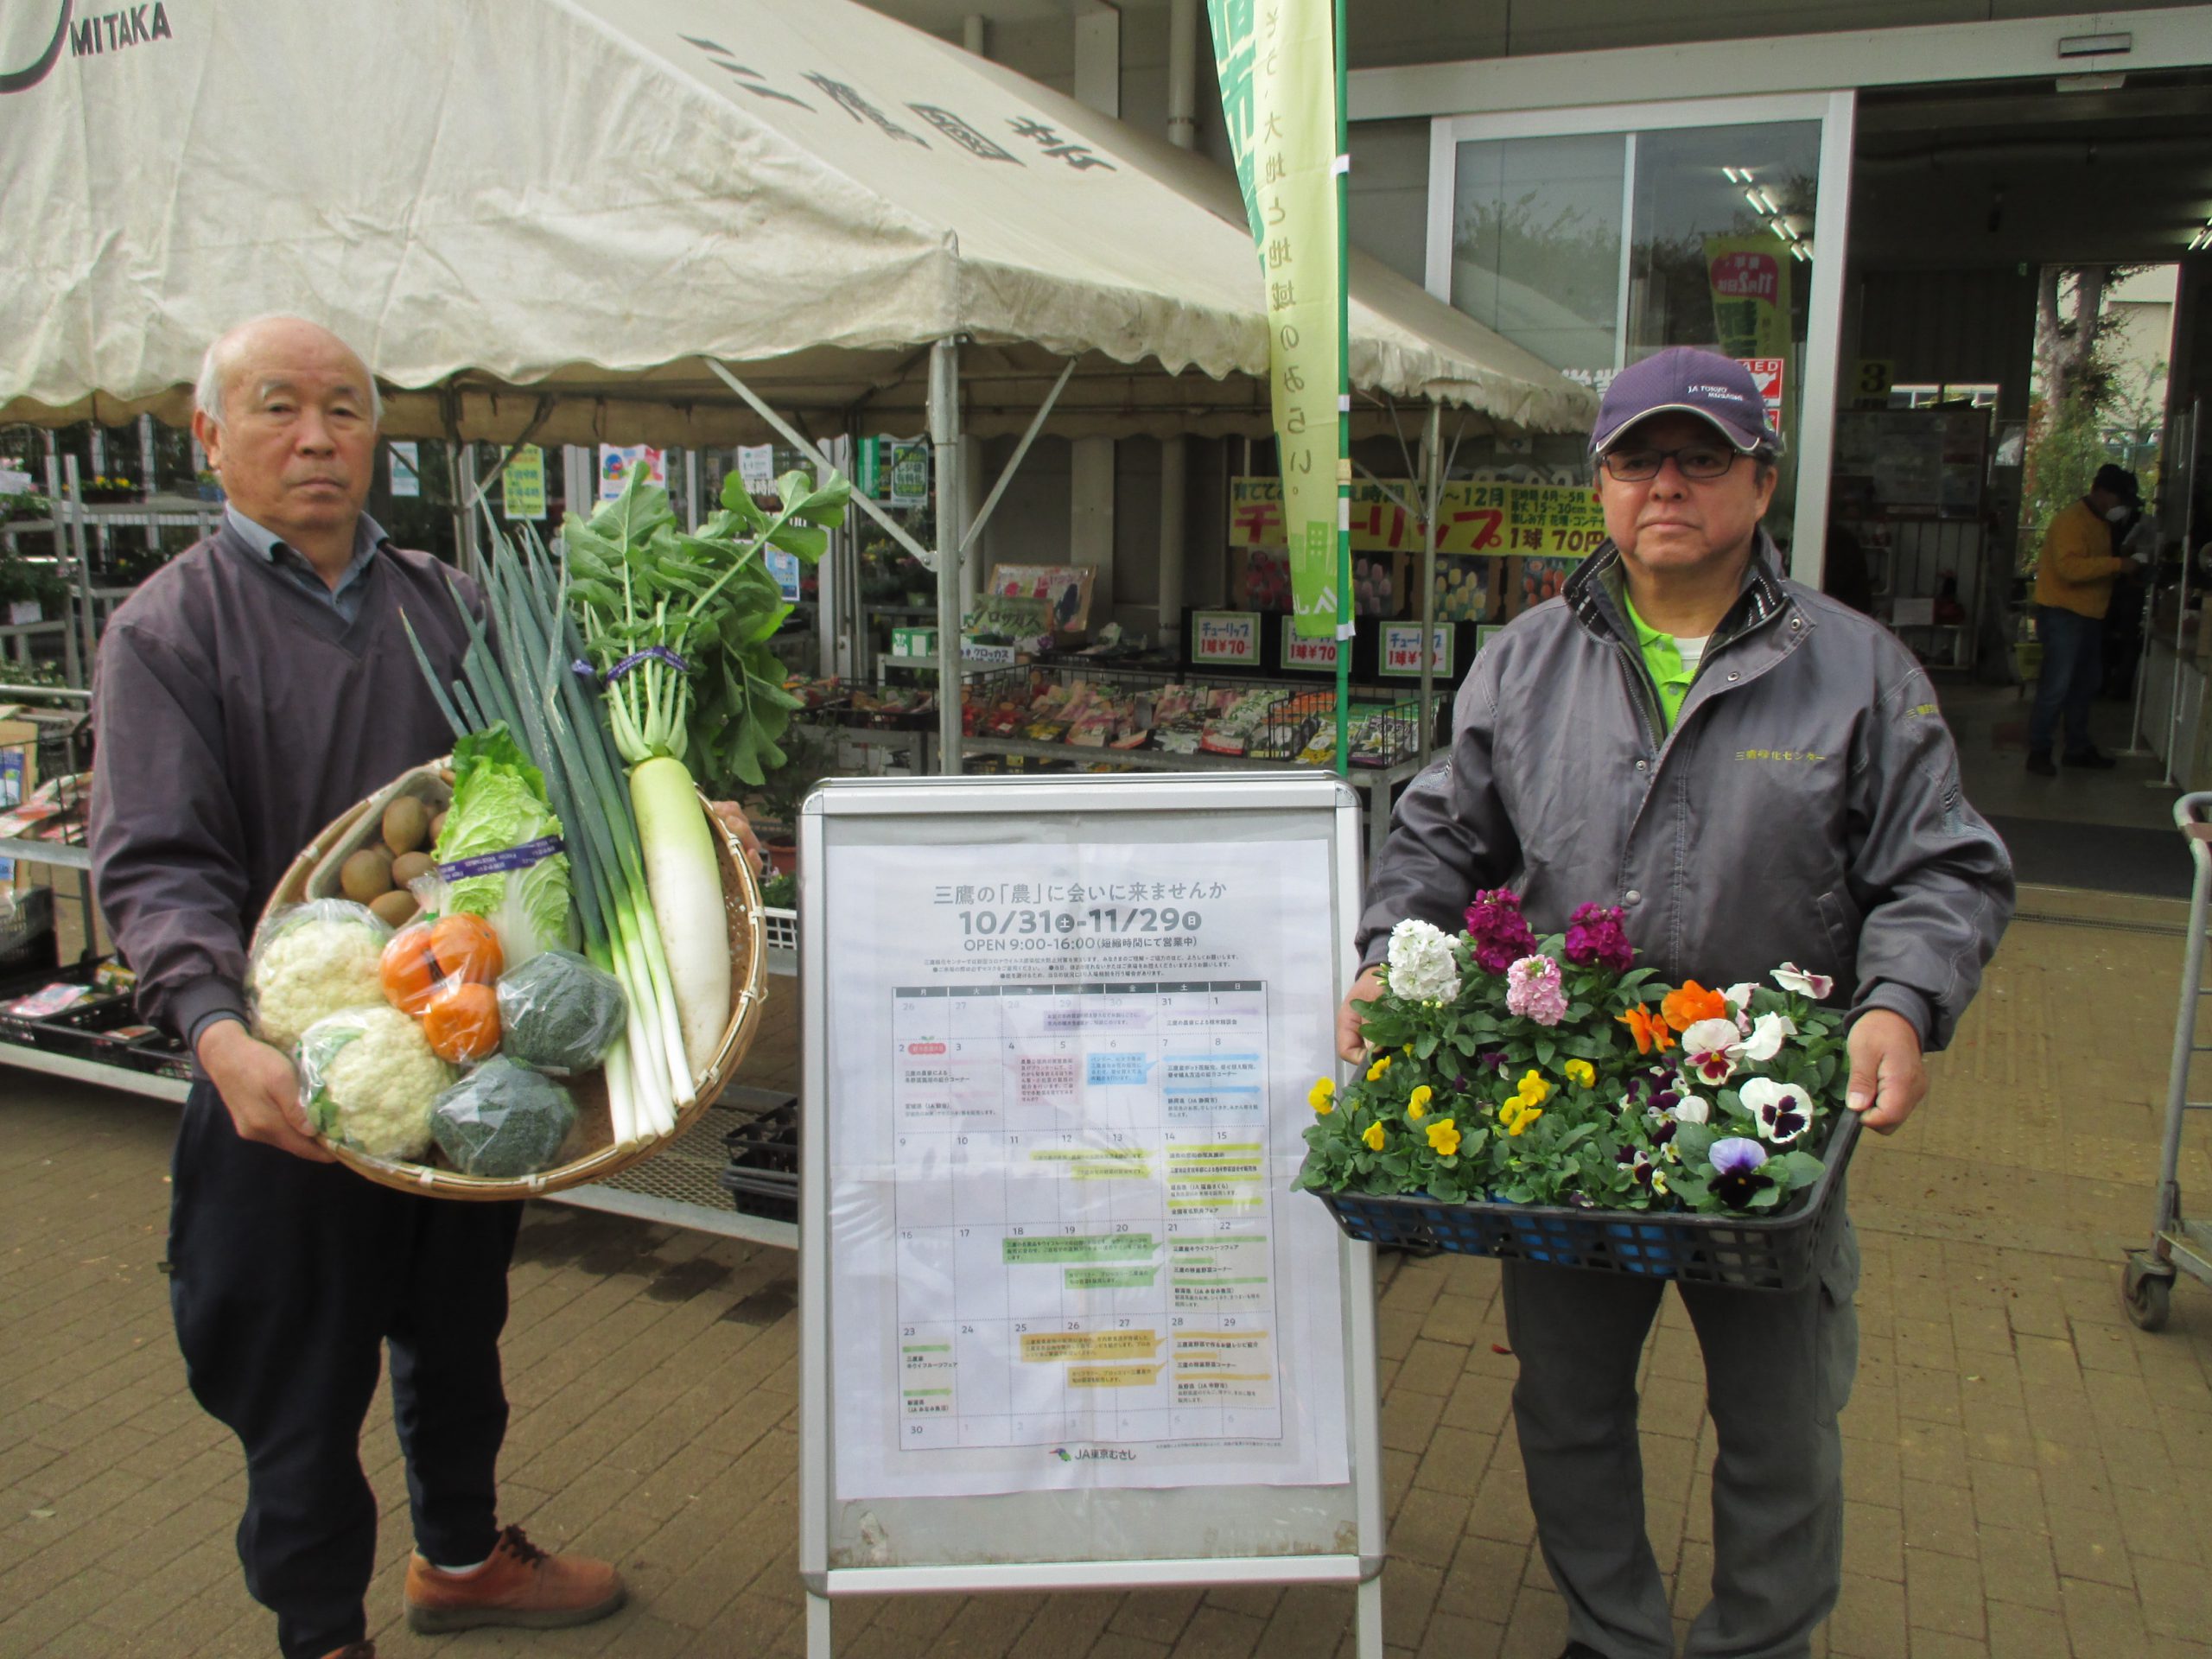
(406, 824)
(365, 875)
(394, 909)
(437, 826)
(409, 868)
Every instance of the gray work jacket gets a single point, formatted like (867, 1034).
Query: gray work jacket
(1805, 807)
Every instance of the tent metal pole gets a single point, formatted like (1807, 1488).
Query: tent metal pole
(1014, 460)
(945, 450)
(790, 435)
(1431, 452)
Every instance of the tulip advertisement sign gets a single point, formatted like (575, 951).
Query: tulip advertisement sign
(1280, 98)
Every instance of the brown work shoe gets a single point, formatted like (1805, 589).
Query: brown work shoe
(520, 1585)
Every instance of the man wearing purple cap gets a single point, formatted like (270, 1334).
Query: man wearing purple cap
(1756, 775)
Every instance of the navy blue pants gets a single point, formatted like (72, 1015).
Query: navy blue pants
(2073, 670)
(289, 1280)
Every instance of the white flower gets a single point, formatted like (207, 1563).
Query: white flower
(1784, 1110)
(1769, 1032)
(1422, 966)
(1739, 998)
(1709, 1051)
(1693, 1109)
(1791, 977)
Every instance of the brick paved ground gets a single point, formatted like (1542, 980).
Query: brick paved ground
(2029, 1475)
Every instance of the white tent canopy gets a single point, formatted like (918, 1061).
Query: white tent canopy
(549, 214)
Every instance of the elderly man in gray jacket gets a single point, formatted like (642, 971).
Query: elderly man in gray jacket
(1756, 775)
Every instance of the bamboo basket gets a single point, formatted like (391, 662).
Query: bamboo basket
(593, 1157)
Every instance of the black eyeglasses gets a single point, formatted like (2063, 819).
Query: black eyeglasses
(1701, 461)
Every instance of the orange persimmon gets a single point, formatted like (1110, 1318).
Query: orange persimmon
(463, 1022)
(465, 947)
(407, 971)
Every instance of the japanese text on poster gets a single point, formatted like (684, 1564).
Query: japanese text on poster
(1068, 1096)
(1556, 520)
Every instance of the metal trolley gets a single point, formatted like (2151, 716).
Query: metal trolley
(2177, 1245)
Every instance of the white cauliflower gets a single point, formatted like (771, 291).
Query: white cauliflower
(318, 960)
(368, 1079)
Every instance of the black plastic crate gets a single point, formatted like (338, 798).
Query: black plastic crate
(762, 1175)
(1750, 1252)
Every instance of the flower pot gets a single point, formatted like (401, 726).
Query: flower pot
(783, 856)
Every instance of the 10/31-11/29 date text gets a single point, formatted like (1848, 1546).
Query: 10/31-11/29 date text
(1113, 919)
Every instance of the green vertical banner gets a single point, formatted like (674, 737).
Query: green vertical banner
(1277, 63)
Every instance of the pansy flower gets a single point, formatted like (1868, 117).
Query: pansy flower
(1689, 1002)
(1373, 1137)
(1783, 1109)
(1639, 1163)
(1444, 1137)
(1650, 1030)
(1693, 1109)
(1768, 1033)
(1322, 1096)
(1709, 1051)
(1375, 1071)
(1534, 1090)
(1417, 1103)
(1739, 998)
(1736, 1165)
(1580, 1073)
(1516, 1115)
(1791, 977)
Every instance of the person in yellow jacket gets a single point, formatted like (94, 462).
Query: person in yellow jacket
(2074, 582)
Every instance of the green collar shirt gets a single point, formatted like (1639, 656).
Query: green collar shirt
(1671, 663)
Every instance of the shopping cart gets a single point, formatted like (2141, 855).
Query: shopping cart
(2179, 1245)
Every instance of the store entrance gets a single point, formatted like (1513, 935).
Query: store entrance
(1995, 228)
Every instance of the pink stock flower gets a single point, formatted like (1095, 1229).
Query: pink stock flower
(1534, 990)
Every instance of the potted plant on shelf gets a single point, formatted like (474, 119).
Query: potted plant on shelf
(211, 486)
(29, 590)
(807, 761)
(30, 504)
(103, 491)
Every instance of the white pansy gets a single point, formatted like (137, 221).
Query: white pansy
(1709, 1051)
(1791, 977)
(1739, 998)
(1769, 1032)
(1422, 966)
(1784, 1110)
(1693, 1109)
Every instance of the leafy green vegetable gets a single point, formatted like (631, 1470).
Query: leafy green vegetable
(502, 1119)
(560, 1013)
(500, 803)
(638, 581)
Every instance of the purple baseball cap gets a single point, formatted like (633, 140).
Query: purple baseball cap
(1685, 380)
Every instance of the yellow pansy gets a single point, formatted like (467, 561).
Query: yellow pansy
(1417, 1103)
(1322, 1096)
(1580, 1073)
(1534, 1089)
(1444, 1137)
(1375, 1071)
(1516, 1116)
(1373, 1137)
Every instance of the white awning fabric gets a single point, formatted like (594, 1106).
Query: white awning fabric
(545, 215)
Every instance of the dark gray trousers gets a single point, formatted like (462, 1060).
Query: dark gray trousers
(1778, 1369)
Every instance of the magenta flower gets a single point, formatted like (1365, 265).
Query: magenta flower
(1534, 990)
(1499, 932)
(1596, 939)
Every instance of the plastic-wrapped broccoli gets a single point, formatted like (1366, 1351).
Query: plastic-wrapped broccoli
(559, 1014)
(503, 1120)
